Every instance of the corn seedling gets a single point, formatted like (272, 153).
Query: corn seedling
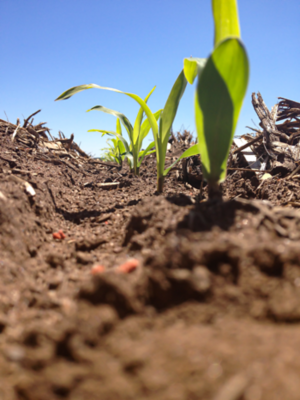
(161, 132)
(221, 87)
(137, 133)
(113, 152)
(107, 156)
(131, 151)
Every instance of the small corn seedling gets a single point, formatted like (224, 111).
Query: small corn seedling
(132, 151)
(137, 133)
(113, 151)
(161, 131)
(221, 87)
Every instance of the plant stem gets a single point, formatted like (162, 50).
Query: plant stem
(160, 184)
(214, 191)
(135, 171)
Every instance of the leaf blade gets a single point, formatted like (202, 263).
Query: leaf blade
(192, 67)
(122, 117)
(219, 96)
(139, 118)
(191, 151)
(145, 128)
(167, 118)
(171, 106)
(75, 89)
(145, 152)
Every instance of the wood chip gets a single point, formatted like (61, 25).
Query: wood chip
(28, 188)
(2, 197)
(108, 185)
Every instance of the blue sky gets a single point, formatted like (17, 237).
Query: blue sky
(47, 47)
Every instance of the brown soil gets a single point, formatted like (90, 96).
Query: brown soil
(212, 310)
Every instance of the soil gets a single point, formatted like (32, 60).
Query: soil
(153, 296)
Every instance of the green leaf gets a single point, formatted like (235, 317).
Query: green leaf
(122, 148)
(120, 137)
(139, 118)
(231, 60)
(141, 153)
(125, 143)
(192, 151)
(226, 19)
(148, 112)
(109, 144)
(171, 106)
(167, 118)
(118, 127)
(148, 150)
(112, 133)
(219, 96)
(107, 156)
(145, 128)
(193, 67)
(76, 89)
(103, 131)
(113, 152)
(129, 157)
(117, 114)
(115, 142)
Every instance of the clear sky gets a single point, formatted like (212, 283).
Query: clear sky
(48, 46)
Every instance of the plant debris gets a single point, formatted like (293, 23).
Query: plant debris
(276, 144)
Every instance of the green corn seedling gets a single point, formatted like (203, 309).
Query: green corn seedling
(131, 151)
(161, 131)
(107, 155)
(221, 87)
(137, 133)
(114, 151)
